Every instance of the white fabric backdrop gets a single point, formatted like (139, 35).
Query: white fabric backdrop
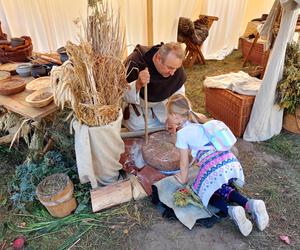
(224, 34)
(166, 16)
(49, 22)
(136, 23)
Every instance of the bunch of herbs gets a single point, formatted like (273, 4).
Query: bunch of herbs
(288, 89)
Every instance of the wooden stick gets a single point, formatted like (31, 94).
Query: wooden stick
(146, 113)
(128, 134)
(250, 50)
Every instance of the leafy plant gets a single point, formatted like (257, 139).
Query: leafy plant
(288, 89)
(185, 196)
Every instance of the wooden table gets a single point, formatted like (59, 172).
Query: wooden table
(16, 103)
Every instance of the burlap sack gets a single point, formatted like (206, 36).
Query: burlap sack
(98, 151)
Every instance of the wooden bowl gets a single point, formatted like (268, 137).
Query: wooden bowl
(10, 67)
(11, 86)
(4, 75)
(40, 98)
(39, 83)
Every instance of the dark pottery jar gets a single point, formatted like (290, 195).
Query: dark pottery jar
(16, 41)
(38, 70)
(63, 54)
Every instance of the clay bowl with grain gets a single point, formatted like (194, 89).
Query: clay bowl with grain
(11, 86)
(40, 98)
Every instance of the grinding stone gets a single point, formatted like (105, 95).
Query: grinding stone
(160, 152)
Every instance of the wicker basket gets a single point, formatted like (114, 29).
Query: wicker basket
(258, 56)
(231, 108)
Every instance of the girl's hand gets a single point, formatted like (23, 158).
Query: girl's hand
(180, 178)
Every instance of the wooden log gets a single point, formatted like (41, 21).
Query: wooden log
(109, 196)
(51, 59)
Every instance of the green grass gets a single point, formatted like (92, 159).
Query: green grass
(286, 145)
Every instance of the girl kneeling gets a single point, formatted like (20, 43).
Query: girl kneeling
(218, 170)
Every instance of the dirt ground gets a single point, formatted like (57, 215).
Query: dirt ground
(268, 177)
(272, 172)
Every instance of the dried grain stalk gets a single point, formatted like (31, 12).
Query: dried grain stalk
(17, 126)
(104, 29)
(91, 83)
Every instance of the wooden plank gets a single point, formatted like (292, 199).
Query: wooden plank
(111, 195)
(16, 103)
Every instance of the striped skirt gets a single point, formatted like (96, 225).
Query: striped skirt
(215, 169)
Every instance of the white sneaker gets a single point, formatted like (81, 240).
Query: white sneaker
(237, 214)
(258, 210)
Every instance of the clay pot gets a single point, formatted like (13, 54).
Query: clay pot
(16, 41)
(24, 69)
(63, 54)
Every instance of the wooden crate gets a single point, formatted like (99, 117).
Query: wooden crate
(258, 55)
(231, 108)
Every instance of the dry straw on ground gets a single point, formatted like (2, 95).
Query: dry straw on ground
(94, 79)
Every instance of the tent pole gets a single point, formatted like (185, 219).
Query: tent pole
(150, 22)
(150, 43)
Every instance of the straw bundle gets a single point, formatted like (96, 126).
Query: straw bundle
(94, 79)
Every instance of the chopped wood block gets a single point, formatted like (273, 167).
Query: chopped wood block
(111, 195)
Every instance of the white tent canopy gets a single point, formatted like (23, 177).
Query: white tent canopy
(50, 22)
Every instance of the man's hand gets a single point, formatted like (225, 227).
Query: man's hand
(143, 79)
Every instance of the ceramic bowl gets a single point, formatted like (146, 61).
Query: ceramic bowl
(16, 41)
(24, 69)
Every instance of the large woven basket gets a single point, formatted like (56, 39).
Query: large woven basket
(17, 54)
(258, 56)
(231, 108)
